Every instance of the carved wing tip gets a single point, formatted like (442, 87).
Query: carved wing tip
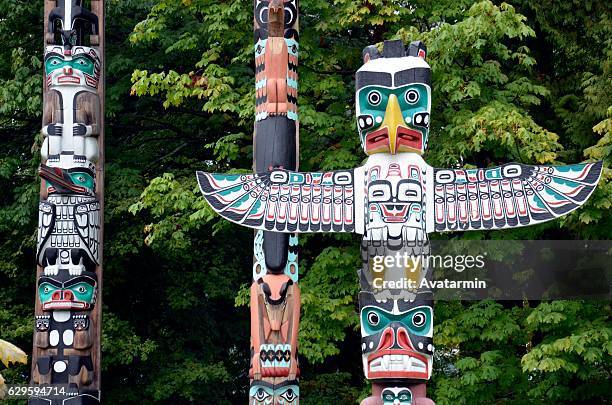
(203, 183)
(598, 167)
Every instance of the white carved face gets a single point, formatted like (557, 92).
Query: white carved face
(395, 197)
(79, 66)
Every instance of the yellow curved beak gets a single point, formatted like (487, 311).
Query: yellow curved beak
(393, 119)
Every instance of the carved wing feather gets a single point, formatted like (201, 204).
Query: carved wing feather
(87, 223)
(46, 223)
(284, 201)
(510, 195)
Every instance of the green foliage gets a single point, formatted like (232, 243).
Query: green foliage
(329, 289)
(525, 81)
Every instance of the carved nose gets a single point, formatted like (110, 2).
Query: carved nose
(67, 70)
(68, 295)
(57, 295)
(386, 340)
(403, 340)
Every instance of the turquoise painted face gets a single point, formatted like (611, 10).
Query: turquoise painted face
(83, 63)
(83, 179)
(418, 321)
(72, 181)
(79, 67)
(77, 293)
(396, 337)
(396, 396)
(393, 120)
(263, 393)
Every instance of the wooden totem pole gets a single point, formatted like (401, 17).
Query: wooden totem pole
(69, 253)
(275, 295)
(395, 200)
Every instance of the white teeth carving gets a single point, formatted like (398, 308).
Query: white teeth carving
(385, 362)
(397, 362)
(417, 364)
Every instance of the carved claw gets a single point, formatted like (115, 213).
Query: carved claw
(51, 270)
(75, 270)
(79, 130)
(53, 130)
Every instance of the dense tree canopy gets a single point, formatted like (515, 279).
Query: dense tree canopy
(526, 81)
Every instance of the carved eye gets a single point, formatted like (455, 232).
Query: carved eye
(411, 96)
(47, 290)
(81, 179)
(404, 397)
(289, 395)
(374, 97)
(81, 289)
(389, 397)
(373, 318)
(419, 319)
(261, 395)
(55, 62)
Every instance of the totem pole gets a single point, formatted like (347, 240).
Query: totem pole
(275, 295)
(69, 252)
(394, 201)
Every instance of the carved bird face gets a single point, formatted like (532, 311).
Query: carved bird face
(78, 180)
(273, 17)
(393, 105)
(275, 7)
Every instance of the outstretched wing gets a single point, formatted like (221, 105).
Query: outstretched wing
(87, 221)
(284, 201)
(46, 223)
(510, 195)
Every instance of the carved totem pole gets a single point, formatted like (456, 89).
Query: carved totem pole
(69, 252)
(275, 295)
(394, 201)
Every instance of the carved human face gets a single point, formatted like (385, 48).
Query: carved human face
(393, 105)
(395, 198)
(79, 66)
(396, 337)
(74, 293)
